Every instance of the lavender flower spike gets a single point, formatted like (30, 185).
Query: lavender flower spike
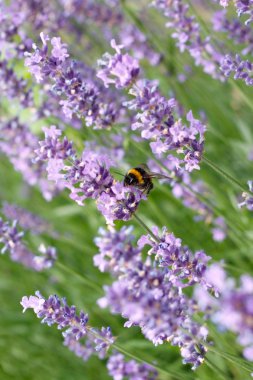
(148, 296)
(56, 311)
(119, 369)
(155, 119)
(185, 267)
(72, 84)
(120, 69)
(239, 68)
(19, 144)
(243, 7)
(26, 219)
(87, 177)
(11, 238)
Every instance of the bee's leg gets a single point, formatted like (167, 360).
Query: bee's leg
(149, 188)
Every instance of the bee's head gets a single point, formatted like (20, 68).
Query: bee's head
(130, 180)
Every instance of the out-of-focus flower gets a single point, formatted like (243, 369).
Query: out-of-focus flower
(116, 251)
(235, 30)
(13, 87)
(219, 230)
(11, 239)
(26, 219)
(233, 309)
(18, 143)
(56, 311)
(243, 7)
(187, 32)
(119, 369)
(92, 12)
(137, 42)
(224, 3)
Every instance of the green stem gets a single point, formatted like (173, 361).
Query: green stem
(81, 277)
(214, 368)
(159, 369)
(146, 228)
(234, 359)
(153, 41)
(218, 212)
(224, 174)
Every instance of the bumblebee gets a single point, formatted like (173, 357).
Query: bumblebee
(141, 177)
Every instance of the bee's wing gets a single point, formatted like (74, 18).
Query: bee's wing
(153, 174)
(144, 167)
(158, 176)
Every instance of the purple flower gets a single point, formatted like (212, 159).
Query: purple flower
(136, 41)
(154, 116)
(18, 143)
(78, 92)
(247, 198)
(248, 353)
(148, 296)
(235, 30)
(224, 3)
(120, 69)
(219, 231)
(243, 7)
(156, 122)
(116, 251)
(185, 268)
(32, 302)
(233, 309)
(11, 239)
(13, 87)
(25, 218)
(52, 147)
(56, 311)
(119, 369)
(59, 50)
(92, 12)
(239, 68)
(121, 203)
(187, 32)
(236, 311)
(47, 259)
(9, 235)
(87, 177)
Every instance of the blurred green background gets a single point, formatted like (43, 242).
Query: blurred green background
(30, 350)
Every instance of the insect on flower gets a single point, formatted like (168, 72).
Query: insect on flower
(141, 177)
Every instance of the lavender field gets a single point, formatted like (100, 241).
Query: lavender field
(126, 161)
